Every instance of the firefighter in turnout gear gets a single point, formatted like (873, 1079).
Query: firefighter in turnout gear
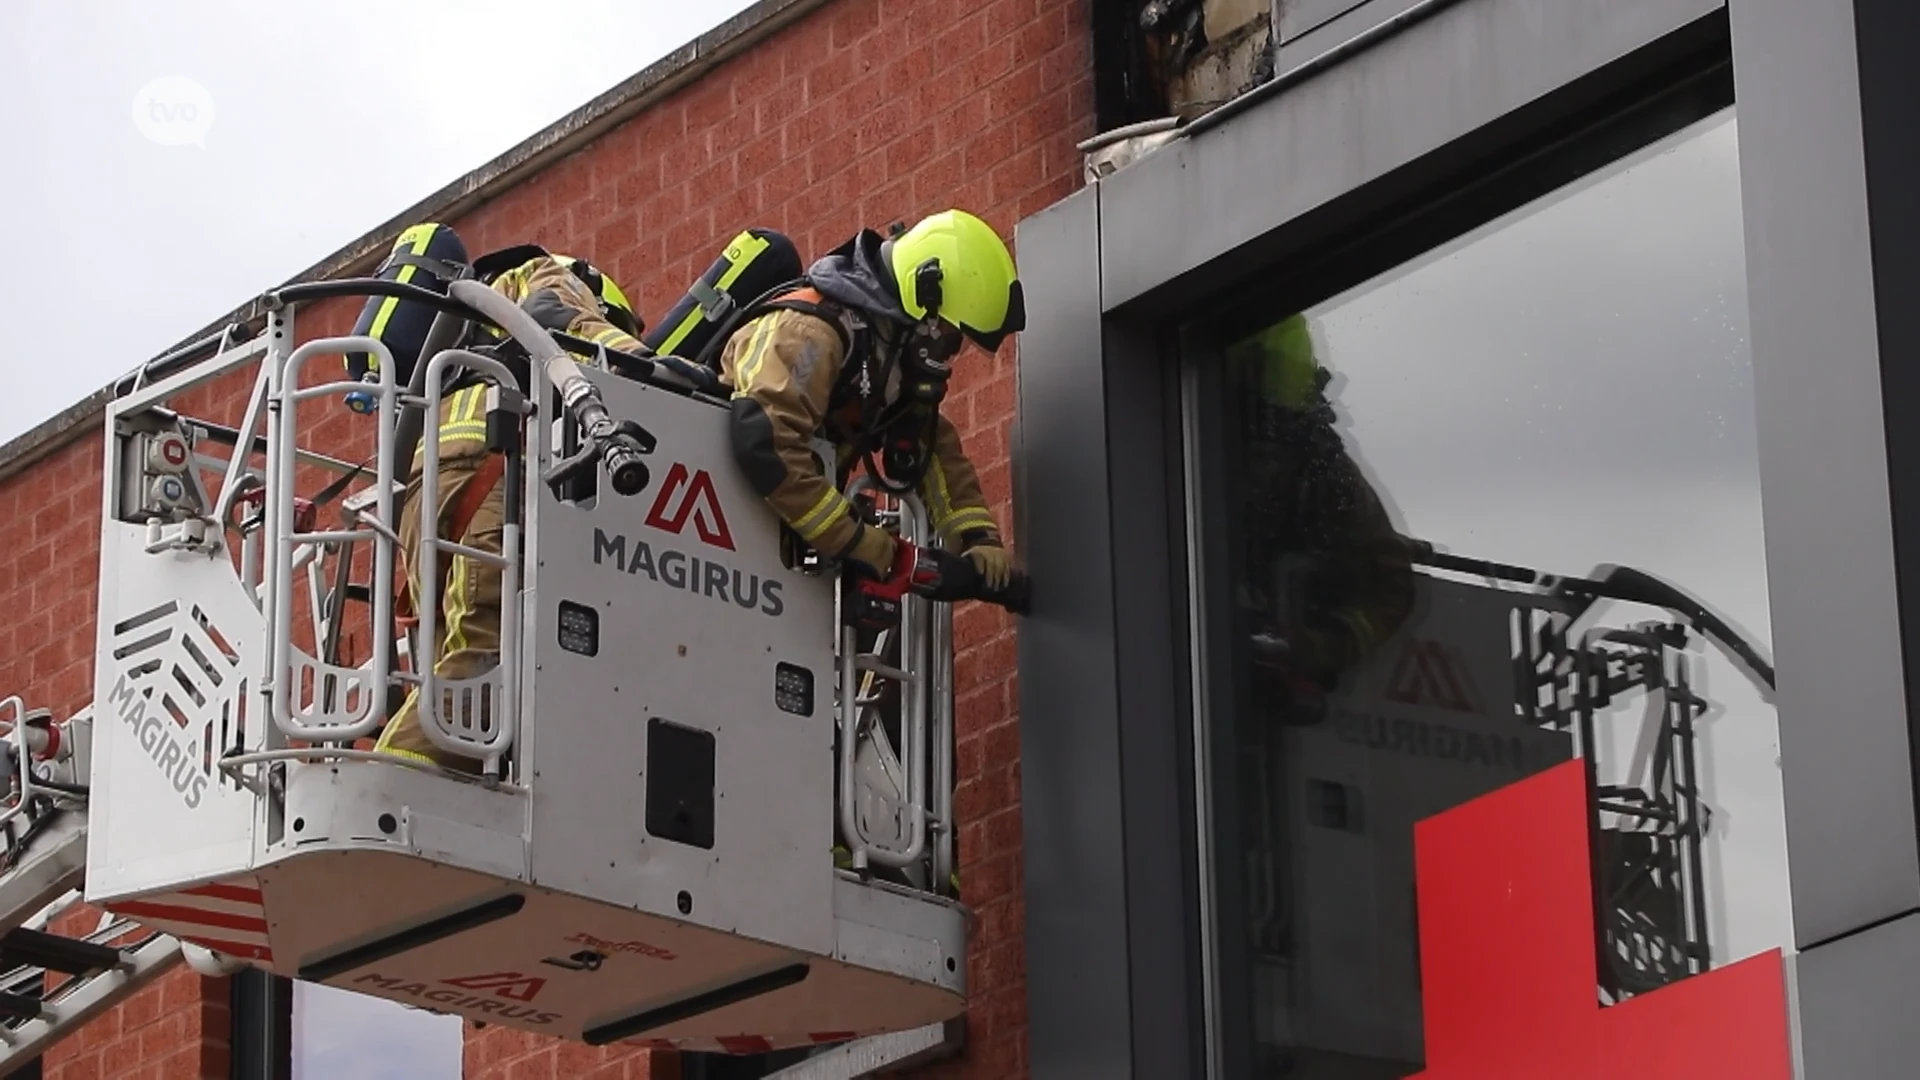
(1327, 578)
(566, 295)
(858, 352)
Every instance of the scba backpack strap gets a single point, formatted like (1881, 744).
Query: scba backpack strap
(798, 295)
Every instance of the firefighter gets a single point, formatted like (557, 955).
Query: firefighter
(564, 294)
(860, 352)
(1327, 576)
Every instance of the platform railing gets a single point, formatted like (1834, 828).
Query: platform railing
(916, 658)
(482, 714)
(344, 703)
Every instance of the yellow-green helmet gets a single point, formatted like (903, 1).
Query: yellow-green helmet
(1278, 362)
(619, 311)
(956, 265)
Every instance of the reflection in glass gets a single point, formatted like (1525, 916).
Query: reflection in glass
(1493, 510)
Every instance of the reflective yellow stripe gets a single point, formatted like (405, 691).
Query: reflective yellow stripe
(745, 248)
(422, 235)
(830, 509)
(456, 606)
(384, 744)
(961, 520)
(606, 337)
(466, 418)
(749, 367)
(942, 500)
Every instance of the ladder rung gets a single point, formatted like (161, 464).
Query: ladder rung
(20, 1007)
(870, 662)
(37, 948)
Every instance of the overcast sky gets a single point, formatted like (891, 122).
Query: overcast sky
(137, 210)
(326, 118)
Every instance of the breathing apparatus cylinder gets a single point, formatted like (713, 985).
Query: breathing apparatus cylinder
(753, 263)
(428, 255)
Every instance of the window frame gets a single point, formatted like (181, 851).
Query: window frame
(1122, 985)
(1656, 112)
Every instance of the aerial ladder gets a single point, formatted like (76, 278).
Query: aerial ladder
(713, 800)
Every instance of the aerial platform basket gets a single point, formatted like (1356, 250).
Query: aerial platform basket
(683, 724)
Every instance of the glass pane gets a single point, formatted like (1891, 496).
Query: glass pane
(338, 1033)
(1567, 391)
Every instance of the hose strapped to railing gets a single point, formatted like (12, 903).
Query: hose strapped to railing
(619, 445)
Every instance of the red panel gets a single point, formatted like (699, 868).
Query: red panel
(1508, 961)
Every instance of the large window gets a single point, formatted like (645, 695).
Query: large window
(1373, 479)
(337, 1033)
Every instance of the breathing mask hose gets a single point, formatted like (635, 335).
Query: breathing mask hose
(616, 444)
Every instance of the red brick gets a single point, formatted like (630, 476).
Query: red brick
(989, 65)
(810, 130)
(1005, 17)
(851, 21)
(82, 1068)
(140, 1009)
(970, 757)
(121, 1056)
(1003, 831)
(985, 880)
(537, 1067)
(829, 76)
(779, 105)
(966, 36)
(1041, 36)
(1002, 744)
(707, 103)
(181, 1064)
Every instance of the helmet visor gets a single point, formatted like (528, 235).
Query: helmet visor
(1016, 321)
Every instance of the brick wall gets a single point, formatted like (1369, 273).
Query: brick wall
(175, 1029)
(863, 113)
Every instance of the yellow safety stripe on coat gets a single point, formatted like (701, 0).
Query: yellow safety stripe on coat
(456, 605)
(961, 520)
(941, 499)
(607, 336)
(947, 520)
(825, 513)
(755, 358)
(466, 420)
(384, 744)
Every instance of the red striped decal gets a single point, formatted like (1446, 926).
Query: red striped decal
(745, 1044)
(239, 894)
(138, 909)
(819, 1037)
